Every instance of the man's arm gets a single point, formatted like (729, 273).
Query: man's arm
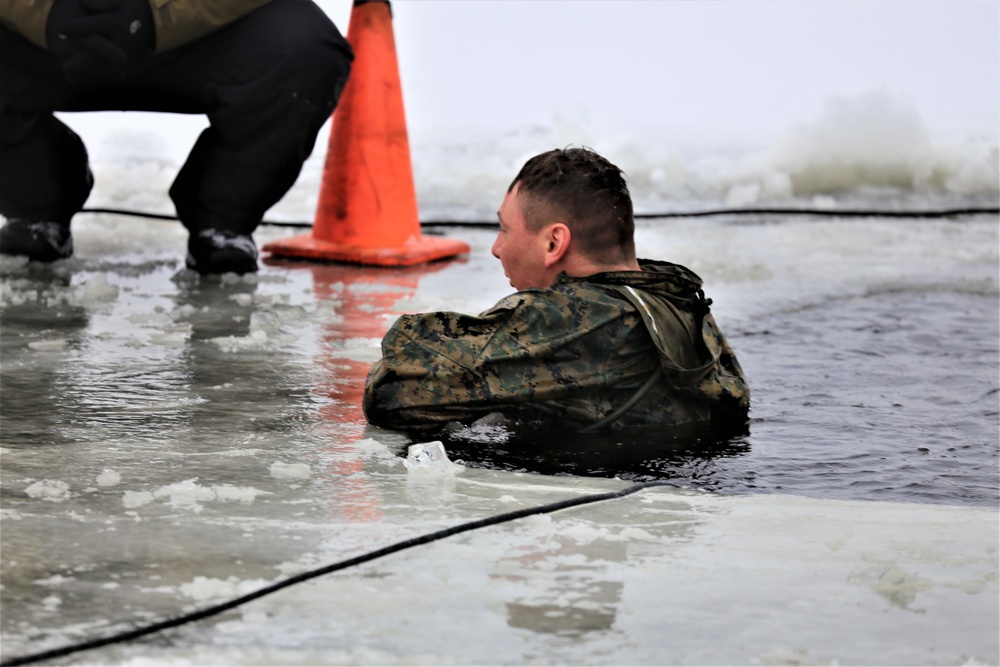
(431, 371)
(536, 350)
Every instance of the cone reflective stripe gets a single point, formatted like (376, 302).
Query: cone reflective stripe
(367, 211)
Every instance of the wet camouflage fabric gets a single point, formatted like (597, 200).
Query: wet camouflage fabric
(569, 354)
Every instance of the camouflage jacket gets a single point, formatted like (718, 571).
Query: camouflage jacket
(569, 354)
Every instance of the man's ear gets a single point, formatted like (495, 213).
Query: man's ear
(557, 240)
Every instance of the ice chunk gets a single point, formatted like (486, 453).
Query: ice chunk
(872, 139)
(186, 494)
(370, 448)
(244, 494)
(242, 299)
(55, 344)
(290, 470)
(108, 478)
(207, 588)
(236, 279)
(169, 339)
(53, 490)
(256, 340)
(95, 290)
(430, 457)
(133, 499)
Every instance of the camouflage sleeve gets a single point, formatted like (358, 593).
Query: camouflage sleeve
(431, 369)
(549, 351)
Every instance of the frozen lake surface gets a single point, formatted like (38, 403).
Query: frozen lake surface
(170, 442)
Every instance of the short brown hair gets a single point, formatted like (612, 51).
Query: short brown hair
(588, 193)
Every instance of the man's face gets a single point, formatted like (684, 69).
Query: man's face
(520, 251)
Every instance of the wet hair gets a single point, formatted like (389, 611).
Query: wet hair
(586, 192)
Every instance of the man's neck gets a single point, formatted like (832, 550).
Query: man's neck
(579, 266)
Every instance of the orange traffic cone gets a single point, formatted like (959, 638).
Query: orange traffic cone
(367, 211)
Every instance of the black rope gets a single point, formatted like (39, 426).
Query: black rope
(134, 214)
(833, 213)
(318, 572)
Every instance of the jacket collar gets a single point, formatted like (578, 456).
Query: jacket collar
(656, 276)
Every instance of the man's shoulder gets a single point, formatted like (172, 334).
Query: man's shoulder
(564, 294)
(536, 309)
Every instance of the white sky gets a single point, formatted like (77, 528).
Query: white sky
(708, 69)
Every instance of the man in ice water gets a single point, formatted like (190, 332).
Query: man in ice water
(267, 73)
(593, 339)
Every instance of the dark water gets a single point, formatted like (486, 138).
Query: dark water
(888, 396)
(893, 396)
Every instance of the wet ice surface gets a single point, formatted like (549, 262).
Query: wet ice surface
(169, 442)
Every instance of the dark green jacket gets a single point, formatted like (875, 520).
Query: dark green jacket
(572, 354)
(177, 21)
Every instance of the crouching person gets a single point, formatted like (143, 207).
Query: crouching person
(267, 74)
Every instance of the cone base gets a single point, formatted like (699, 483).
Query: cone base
(417, 250)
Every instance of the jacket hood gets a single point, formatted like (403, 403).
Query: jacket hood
(671, 303)
(663, 279)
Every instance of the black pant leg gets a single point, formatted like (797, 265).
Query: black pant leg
(44, 172)
(269, 82)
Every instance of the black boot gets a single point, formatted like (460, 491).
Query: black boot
(37, 240)
(220, 251)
